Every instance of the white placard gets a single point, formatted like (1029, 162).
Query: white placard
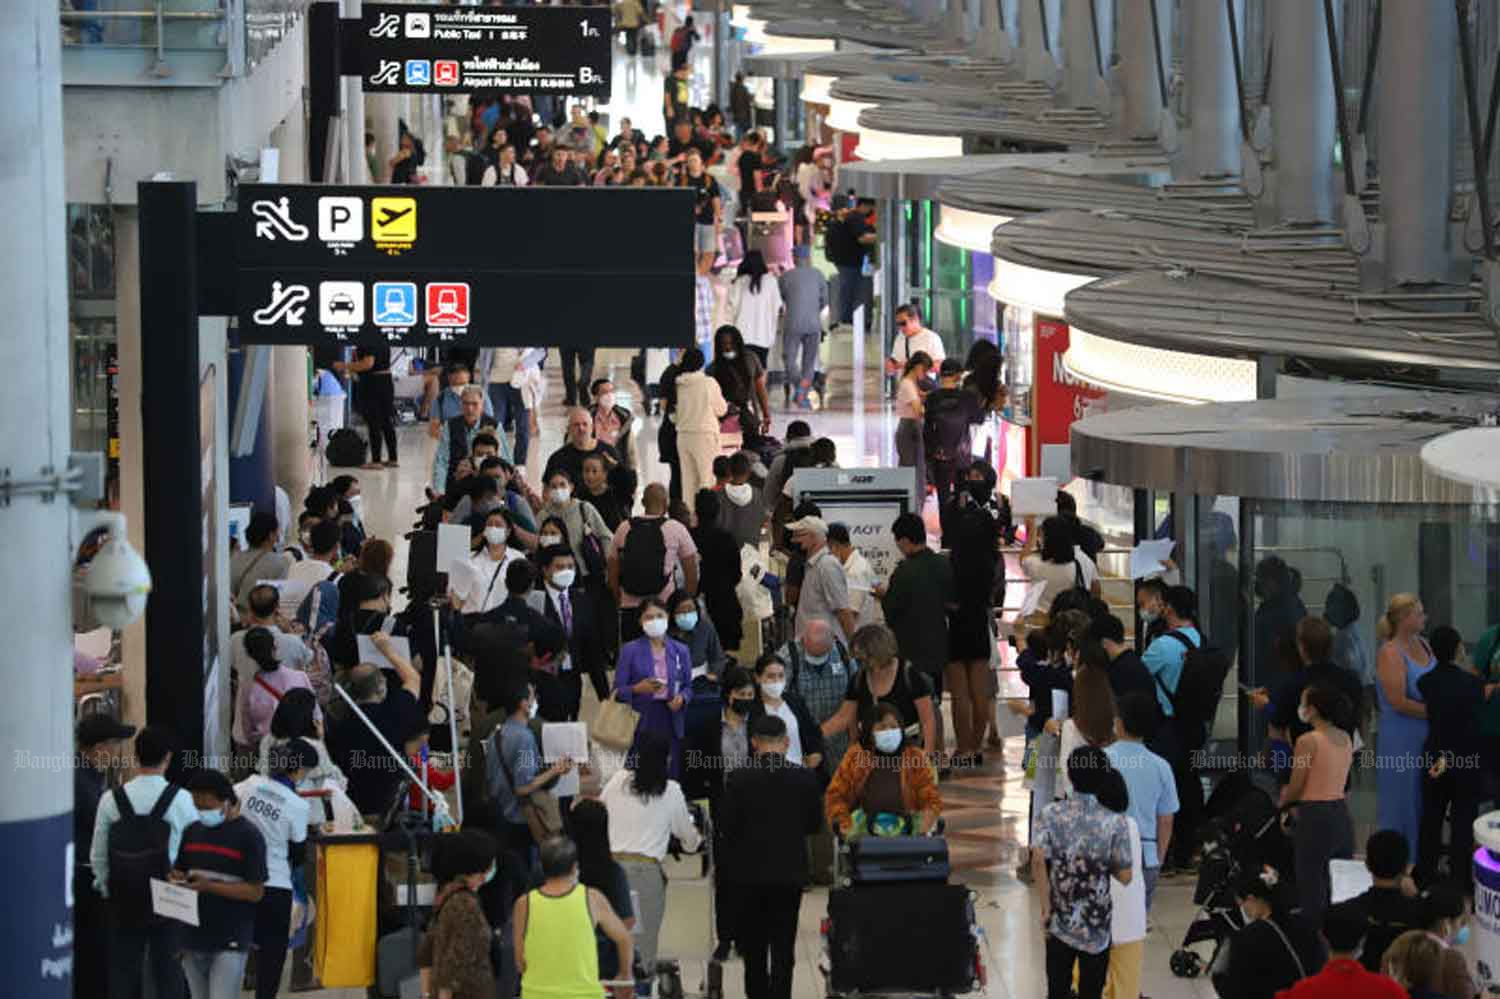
(1147, 557)
(174, 902)
(368, 653)
(565, 740)
(1349, 878)
(453, 545)
(1057, 462)
(1033, 497)
(1060, 705)
(870, 532)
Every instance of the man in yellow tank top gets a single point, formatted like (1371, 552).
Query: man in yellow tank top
(554, 931)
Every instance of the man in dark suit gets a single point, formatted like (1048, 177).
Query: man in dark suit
(568, 606)
(769, 809)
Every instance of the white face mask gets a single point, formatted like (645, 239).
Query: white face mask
(563, 578)
(1304, 715)
(654, 627)
(496, 535)
(607, 401)
(531, 711)
(774, 689)
(561, 494)
(888, 740)
(547, 540)
(357, 504)
(739, 493)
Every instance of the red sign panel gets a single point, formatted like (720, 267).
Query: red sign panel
(1058, 399)
(448, 304)
(445, 73)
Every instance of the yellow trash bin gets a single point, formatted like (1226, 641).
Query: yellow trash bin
(344, 941)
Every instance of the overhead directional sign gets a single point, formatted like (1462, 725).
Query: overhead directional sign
(317, 264)
(481, 50)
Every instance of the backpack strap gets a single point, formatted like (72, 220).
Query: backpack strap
(1301, 969)
(276, 695)
(159, 810)
(1190, 648)
(796, 662)
(122, 802)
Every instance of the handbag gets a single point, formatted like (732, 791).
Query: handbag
(540, 809)
(614, 725)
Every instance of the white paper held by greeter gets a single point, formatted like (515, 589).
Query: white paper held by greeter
(1149, 557)
(174, 901)
(368, 653)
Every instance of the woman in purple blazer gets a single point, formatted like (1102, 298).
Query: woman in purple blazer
(654, 675)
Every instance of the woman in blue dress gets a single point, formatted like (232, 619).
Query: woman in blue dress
(1404, 659)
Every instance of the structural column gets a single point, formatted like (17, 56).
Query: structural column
(1302, 113)
(1140, 82)
(36, 797)
(381, 114)
(1214, 141)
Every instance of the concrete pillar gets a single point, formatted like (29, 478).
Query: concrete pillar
(287, 403)
(999, 34)
(132, 455)
(381, 114)
(354, 114)
(1213, 146)
(955, 21)
(1302, 113)
(1085, 75)
(1418, 44)
(1141, 106)
(1042, 53)
(36, 800)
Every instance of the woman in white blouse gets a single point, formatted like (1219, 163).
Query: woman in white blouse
(646, 809)
(909, 412)
(755, 303)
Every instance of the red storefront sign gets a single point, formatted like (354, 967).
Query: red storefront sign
(1058, 399)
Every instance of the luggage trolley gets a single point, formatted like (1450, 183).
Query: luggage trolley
(941, 945)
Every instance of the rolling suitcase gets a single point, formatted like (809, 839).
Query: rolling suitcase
(938, 950)
(875, 860)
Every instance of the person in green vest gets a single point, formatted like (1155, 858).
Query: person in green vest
(554, 931)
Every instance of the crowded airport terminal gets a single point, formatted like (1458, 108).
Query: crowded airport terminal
(751, 499)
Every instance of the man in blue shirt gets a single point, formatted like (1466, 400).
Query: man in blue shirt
(134, 932)
(1164, 660)
(1148, 777)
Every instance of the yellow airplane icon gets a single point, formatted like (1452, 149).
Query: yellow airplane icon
(393, 220)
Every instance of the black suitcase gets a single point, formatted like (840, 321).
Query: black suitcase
(346, 448)
(908, 937)
(881, 860)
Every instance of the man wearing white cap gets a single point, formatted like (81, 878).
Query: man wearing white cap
(825, 590)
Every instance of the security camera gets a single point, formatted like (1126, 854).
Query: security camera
(118, 580)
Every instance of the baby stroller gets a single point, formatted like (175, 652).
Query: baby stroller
(889, 889)
(1242, 833)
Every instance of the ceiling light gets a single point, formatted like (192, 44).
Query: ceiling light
(1033, 288)
(876, 145)
(969, 230)
(1153, 373)
(815, 88)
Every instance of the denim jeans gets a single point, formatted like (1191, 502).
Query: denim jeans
(850, 287)
(510, 406)
(214, 974)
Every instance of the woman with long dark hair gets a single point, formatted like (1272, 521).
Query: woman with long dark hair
(755, 303)
(598, 869)
(1051, 559)
(909, 412)
(719, 570)
(646, 809)
(741, 375)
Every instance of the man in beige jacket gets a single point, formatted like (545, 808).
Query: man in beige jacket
(700, 406)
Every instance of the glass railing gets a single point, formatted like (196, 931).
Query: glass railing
(171, 41)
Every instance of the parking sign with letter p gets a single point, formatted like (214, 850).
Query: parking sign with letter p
(341, 220)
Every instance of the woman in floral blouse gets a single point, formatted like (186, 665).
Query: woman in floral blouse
(454, 956)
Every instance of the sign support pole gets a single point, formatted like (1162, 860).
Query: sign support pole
(170, 376)
(323, 68)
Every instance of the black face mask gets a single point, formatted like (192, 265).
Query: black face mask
(740, 707)
(979, 490)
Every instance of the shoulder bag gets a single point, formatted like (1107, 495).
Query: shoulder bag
(540, 809)
(614, 725)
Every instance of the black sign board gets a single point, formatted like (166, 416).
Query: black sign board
(419, 266)
(482, 50)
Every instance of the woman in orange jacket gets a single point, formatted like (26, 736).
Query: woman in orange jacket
(883, 774)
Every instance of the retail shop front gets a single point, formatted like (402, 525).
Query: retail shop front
(1314, 505)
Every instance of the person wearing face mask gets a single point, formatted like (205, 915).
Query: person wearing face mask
(513, 771)
(1274, 949)
(369, 612)
(391, 708)
(973, 538)
(742, 382)
(1453, 696)
(554, 932)
(569, 606)
(1320, 771)
(695, 629)
(647, 553)
(743, 510)
(614, 425)
(476, 585)
(803, 734)
(714, 751)
(1446, 915)
(769, 809)
(223, 859)
(260, 560)
(584, 530)
(883, 782)
(655, 676)
(454, 954)
(274, 807)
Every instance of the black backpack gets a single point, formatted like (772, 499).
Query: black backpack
(643, 558)
(138, 852)
(1199, 689)
(346, 448)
